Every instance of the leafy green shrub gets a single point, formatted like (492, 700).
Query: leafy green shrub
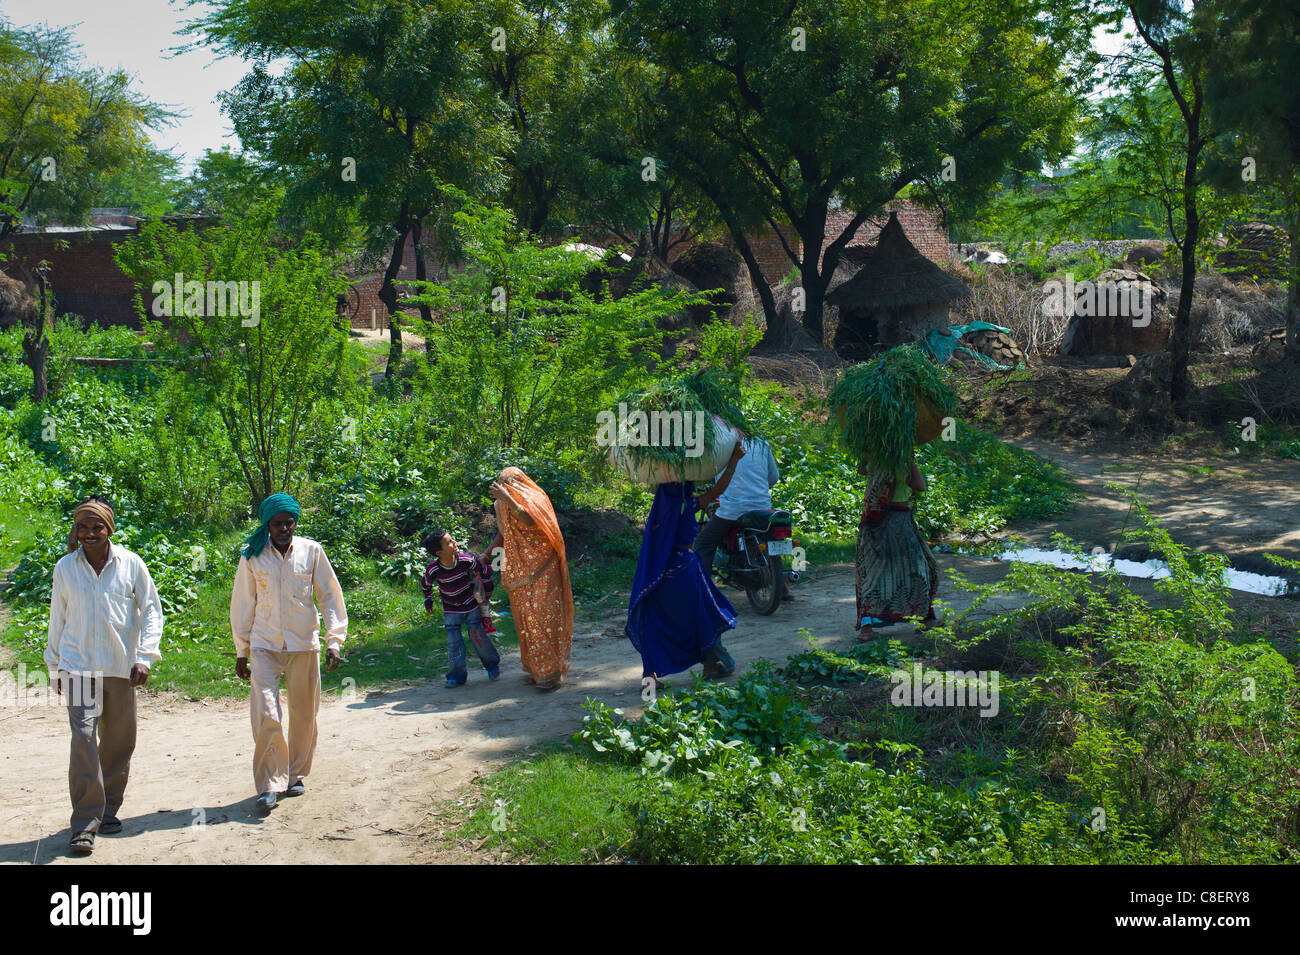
(15, 377)
(853, 666)
(560, 484)
(690, 730)
(810, 805)
(1157, 712)
(881, 398)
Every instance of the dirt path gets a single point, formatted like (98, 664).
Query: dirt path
(1241, 508)
(383, 762)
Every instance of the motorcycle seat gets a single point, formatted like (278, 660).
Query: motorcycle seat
(762, 520)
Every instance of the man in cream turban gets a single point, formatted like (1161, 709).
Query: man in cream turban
(276, 627)
(105, 629)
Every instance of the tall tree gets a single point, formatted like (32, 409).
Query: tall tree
(229, 183)
(380, 102)
(1179, 39)
(1252, 88)
(64, 128)
(652, 209)
(776, 108)
(540, 63)
(253, 326)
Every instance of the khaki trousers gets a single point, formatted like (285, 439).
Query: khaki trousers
(101, 712)
(274, 762)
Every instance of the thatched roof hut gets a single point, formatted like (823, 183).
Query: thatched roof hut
(896, 296)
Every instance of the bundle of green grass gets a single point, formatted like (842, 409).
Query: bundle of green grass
(677, 429)
(887, 405)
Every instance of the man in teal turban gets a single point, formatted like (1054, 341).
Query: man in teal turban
(273, 505)
(276, 626)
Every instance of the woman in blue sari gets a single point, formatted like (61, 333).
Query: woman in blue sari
(677, 615)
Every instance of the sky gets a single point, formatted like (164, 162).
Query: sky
(137, 35)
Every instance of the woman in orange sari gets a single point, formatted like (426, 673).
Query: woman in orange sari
(536, 576)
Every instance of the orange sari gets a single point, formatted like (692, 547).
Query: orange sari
(536, 576)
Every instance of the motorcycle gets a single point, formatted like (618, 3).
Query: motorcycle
(749, 557)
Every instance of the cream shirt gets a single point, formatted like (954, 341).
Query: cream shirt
(103, 623)
(271, 607)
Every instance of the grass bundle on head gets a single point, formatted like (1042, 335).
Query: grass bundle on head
(880, 400)
(704, 393)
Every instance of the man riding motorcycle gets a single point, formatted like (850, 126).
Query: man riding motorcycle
(750, 490)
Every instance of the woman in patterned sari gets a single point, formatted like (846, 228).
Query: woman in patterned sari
(536, 576)
(897, 576)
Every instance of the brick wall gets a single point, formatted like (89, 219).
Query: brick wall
(84, 277)
(922, 227)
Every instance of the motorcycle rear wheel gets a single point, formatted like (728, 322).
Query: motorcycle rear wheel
(766, 597)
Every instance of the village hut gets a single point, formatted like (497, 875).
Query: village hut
(896, 296)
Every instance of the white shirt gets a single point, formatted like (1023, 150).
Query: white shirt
(271, 607)
(751, 484)
(104, 623)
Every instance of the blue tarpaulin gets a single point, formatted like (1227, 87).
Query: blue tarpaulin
(943, 346)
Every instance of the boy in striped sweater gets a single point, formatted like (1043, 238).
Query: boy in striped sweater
(462, 581)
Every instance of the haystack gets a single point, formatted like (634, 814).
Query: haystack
(17, 306)
(896, 296)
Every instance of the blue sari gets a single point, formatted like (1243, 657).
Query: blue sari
(676, 615)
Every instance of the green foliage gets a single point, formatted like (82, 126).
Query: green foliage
(90, 122)
(269, 375)
(691, 731)
(976, 485)
(883, 97)
(853, 666)
(1156, 710)
(881, 398)
(530, 355)
(709, 391)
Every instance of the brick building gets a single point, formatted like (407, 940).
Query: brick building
(82, 272)
(86, 280)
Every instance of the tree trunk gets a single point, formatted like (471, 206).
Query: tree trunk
(36, 351)
(426, 313)
(1293, 279)
(779, 333)
(36, 347)
(1181, 339)
(814, 285)
(812, 233)
(388, 295)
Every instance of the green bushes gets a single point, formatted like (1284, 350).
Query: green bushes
(976, 484)
(1155, 711)
(743, 779)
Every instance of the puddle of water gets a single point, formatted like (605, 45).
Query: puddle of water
(1148, 569)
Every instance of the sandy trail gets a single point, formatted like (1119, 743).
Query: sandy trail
(1243, 508)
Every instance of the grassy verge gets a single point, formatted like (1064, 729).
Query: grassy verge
(557, 806)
